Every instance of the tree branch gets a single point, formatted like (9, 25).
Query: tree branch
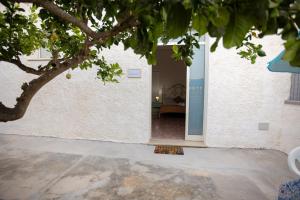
(128, 22)
(57, 11)
(24, 67)
(31, 88)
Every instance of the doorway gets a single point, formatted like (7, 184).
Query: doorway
(179, 107)
(169, 78)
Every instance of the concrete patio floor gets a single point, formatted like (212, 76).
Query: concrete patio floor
(51, 168)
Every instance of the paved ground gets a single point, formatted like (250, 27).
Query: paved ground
(49, 168)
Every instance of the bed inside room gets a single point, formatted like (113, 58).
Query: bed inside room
(168, 96)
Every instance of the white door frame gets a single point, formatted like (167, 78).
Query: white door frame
(202, 137)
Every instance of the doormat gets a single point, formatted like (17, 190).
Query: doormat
(168, 149)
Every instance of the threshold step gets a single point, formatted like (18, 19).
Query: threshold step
(183, 143)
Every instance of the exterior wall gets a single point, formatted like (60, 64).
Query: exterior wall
(83, 107)
(241, 95)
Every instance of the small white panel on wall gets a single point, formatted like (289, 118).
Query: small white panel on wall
(134, 73)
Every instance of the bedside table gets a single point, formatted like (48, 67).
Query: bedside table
(155, 108)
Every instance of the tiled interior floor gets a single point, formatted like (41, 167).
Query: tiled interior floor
(168, 126)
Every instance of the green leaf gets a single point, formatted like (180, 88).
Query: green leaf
(274, 3)
(221, 17)
(236, 30)
(175, 49)
(200, 24)
(296, 61)
(261, 53)
(188, 61)
(178, 20)
(274, 12)
(291, 49)
(187, 4)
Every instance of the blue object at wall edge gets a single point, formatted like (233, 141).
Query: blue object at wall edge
(280, 65)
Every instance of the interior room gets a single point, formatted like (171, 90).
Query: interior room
(168, 96)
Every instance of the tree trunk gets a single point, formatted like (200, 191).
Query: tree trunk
(29, 90)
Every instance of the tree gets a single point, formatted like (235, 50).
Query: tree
(75, 32)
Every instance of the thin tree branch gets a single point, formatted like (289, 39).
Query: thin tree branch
(23, 67)
(57, 11)
(127, 23)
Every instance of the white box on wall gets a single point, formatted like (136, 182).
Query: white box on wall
(134, 73)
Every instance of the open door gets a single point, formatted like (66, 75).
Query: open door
(195, 96)
(193, 88)
(168, 96)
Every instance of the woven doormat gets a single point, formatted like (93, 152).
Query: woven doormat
(168, 149)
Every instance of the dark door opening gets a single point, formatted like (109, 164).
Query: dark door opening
(168, 96)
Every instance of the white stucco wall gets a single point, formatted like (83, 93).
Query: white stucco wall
(240, 95)
(83, 107)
